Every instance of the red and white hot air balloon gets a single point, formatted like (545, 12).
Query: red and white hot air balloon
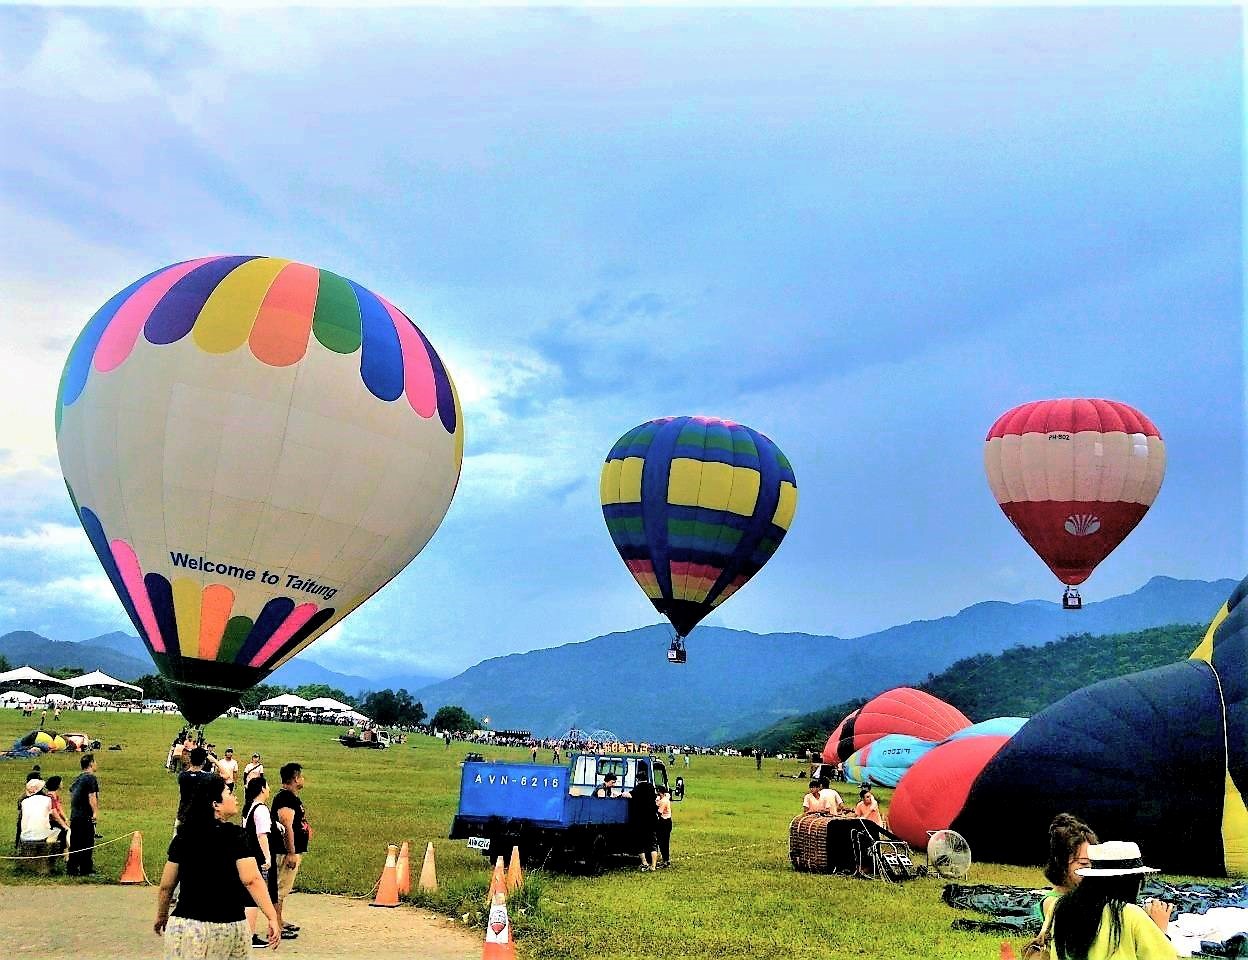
(1074, 476)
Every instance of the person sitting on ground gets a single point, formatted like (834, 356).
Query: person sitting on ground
(608, 787)
(60, 822)
(1099, 919)
(34, 812)
(868, 808)
(1069, 839)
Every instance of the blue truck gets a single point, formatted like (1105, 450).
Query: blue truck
(552, 813)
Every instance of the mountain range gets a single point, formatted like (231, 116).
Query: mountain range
(123, 655)
(734, 682)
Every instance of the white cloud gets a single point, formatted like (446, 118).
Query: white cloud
(75, 61)
(46, 537)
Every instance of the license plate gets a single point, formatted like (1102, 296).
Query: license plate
(478, 843)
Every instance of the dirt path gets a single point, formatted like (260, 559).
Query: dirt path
(115, 923)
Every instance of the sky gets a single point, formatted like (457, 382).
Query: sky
(865, 233)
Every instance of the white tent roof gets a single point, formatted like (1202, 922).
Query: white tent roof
(329, 703)
(356, 717)
(285, 700)
(95, 701)
(29, 675)
(15, 696)
(58, 698)
(98, 679)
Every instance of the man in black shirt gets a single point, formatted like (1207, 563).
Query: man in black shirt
(188, 780)
(290, 841)
(84, 809)
(643, 815)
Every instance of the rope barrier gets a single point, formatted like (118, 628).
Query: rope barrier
(46, 856)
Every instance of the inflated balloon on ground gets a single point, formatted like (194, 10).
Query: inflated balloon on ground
(254, 447)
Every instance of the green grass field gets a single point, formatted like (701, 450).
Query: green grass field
(730, 893)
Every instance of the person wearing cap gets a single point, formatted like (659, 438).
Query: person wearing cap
(227, 768)
(1099, 919)
(253, 769)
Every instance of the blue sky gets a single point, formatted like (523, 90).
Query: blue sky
(866, 233)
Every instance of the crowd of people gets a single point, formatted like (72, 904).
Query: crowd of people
(259, 858)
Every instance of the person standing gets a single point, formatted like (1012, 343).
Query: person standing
(253, 769)
(643, 819)
(227, 768)
(664, 824)
(84, 813)
(56, 715)
(188, 781)
(257, 827)
(209, 857)
(291, 841)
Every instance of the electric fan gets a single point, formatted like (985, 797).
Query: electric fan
(949, 854)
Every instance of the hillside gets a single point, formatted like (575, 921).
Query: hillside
(1017, 683)
(736, 681)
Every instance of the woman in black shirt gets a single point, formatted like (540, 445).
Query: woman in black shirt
(210, 858)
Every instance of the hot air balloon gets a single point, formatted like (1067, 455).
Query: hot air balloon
(901, 710)
(254, 447)
(695, 507)
(1074, 477)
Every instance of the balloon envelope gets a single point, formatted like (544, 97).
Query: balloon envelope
(901, 710)
(695, 506)
(254, 447)
(1074, 477)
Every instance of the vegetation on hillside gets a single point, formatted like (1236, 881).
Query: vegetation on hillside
(1017, 683)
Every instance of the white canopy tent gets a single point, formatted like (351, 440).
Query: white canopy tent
(29, 675)
(285, 700)
(98, 679)
(328, 703)
(355, 716)
(15, 696)
(96, 701)
(58, 698)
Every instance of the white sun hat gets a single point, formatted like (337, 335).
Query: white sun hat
(1114, 858)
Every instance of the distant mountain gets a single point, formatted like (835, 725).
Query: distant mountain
(736, 681)
(125, 657)
(23, 648)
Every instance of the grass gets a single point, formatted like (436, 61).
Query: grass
(731, 892)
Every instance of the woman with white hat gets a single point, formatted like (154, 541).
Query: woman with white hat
(1099, 919)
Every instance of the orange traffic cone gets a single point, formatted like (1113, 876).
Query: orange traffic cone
(515, 876)
(403, 871)
(132, 872)
(1007, 952)
(388, 887)
(498, 943)
(429, 871)
(498, 883)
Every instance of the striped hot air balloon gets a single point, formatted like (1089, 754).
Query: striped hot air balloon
(1074, 477)
(254, 447)
(695, 507)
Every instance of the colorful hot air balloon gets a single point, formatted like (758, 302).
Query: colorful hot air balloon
(901, 710)
(254, 447)
(1074, 477)
(695, 507)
